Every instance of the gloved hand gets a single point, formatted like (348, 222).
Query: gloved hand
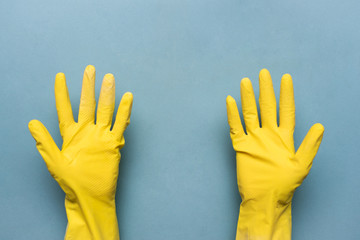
(86, 167)
(268, 168)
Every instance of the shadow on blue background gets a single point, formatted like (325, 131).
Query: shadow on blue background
(180, 59)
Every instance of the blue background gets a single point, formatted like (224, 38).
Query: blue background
(180, 59)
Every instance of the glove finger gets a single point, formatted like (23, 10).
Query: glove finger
(106, 104)
(287, 103)
(87, 101)
(123, 115)
(310, 145)
(236, 128)
(248, 104)
(267, 100)
(63, 104)
(44, 142)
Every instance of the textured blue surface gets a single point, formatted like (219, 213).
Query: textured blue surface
(180, 59)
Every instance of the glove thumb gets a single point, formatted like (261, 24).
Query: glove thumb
(44, 142)
(310, 145)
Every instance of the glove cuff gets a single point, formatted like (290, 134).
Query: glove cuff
(90, 218)
(265, 218)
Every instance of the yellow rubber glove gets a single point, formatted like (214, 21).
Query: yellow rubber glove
(268, 169)
(87, 166)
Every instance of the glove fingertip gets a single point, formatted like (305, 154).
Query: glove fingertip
(229, 99)
(318, 127)
(33, 125)
(128, 95)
